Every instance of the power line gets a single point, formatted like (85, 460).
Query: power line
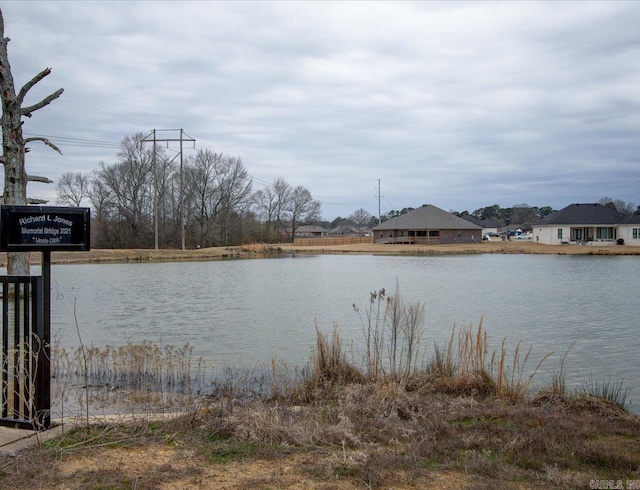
(68, 141)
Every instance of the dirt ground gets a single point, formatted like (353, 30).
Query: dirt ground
(162, 467)
(495, 247)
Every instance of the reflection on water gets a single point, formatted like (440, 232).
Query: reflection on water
(243, 313)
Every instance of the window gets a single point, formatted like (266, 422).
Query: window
(421, 233)
(434, 233)
(604, 233)
(635, 233)
(459, 233)
(559, 233)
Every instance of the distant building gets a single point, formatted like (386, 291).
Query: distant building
(310, 231)
(345, 231)
(487, 225)
(588, 223)
(427, 225)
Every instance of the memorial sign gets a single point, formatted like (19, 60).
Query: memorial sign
(44, 228)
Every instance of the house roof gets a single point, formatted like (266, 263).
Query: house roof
(427, 217)
(484, 223)
(583, 214)
(310, 229)
(630, 219)
(345, 230)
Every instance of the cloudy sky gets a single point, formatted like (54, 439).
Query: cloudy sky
(460, 105)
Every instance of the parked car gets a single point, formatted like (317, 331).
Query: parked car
(525, 236)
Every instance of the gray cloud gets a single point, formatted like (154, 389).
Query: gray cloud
(457, 104)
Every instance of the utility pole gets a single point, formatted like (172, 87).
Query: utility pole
(379, 215)
(151, 137)
(155, 193)
(182, 223)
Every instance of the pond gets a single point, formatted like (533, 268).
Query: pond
(244, 313)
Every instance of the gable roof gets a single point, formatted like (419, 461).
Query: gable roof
(484, 223)
(345, 230)
(583, 214)
(310, 229)
(427, 217)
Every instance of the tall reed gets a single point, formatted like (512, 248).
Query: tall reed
(394, 327)
(469, 365)
(329, 362)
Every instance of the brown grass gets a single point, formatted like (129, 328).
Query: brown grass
(250, 250)
(363, 435)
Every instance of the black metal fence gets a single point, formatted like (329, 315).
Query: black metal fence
(25, 396)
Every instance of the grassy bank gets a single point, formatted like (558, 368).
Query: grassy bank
(464, 415)
(260, 250)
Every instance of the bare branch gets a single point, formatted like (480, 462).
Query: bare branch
(27, 86)
(38, 178)
(26, 111)
(45, 141)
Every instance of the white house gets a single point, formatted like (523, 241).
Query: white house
(587, 223)
(629, 229)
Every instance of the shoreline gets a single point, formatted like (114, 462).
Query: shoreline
(270, 250)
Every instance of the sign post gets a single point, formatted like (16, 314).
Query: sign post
(44, 229)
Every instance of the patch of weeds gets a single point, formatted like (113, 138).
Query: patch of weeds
(428, 463)
(483, 462)
(482, 421)
(224, 451)
(106, 481)
(603, 458)
(79, 437)
(530, 463)
(616, 393)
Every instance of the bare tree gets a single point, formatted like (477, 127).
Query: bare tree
(13, 144)
(361, 217)
(523, 213)
(234, 185)
(624, 207)
(264, 203)
(72, 188)
(302, 208)
(218, 188)
(200, 199)
(271, 203)
(129, 187)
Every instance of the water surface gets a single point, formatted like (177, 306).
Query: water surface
(243, 313)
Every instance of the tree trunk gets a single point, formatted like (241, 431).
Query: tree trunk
(13, 150)
(13, 144)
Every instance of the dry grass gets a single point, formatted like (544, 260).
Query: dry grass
(259, 248)
(213, 253)
(469, 366)
(363, 435)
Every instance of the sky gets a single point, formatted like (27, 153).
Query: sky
(372, 105)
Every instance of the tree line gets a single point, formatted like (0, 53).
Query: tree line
(145, 193)
(518, 214)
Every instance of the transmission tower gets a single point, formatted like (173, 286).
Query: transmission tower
(152, 137)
